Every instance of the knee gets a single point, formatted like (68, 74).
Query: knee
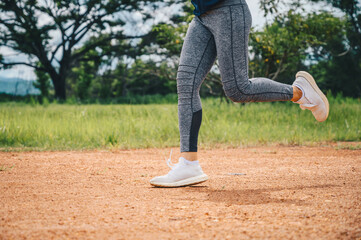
(235, 95)
(237, 92)
(232, 97)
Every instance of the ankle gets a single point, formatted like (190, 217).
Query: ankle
(190, 156)
(192, 163)
(297, 94)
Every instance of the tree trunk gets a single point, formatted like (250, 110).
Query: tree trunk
(58, 79)
(59, 86)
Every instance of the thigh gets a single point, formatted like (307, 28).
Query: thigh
(231, 31)
(197, 58)
(198, 44)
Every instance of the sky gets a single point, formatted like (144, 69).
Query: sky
(27, 73)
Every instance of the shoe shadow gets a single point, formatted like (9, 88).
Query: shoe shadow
(253, 196)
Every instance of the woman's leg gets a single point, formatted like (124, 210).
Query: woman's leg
(197, 57)
(230, 26)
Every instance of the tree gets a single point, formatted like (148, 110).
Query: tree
(336, 63)
(352, 10)
(342, 69)
(283, 47)
(42, 83)
(49, 31)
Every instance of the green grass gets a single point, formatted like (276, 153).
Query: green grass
(67, 127)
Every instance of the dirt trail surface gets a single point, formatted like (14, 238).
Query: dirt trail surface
(286, 193)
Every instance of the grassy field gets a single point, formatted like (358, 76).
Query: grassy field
(66, 127)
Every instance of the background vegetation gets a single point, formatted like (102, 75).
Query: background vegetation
(85, 52)
(89, 53)
(63, 126)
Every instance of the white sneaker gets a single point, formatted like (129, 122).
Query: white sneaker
(182, 174)
(312, 98)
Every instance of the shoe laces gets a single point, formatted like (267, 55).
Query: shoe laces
(169, 161)
(172, 166)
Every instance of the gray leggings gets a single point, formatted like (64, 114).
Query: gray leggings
(223, 33)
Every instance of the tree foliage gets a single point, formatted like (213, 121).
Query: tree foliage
(336, 61)
(82, 48)
(49, 31)
(352, 10)
(292, 42)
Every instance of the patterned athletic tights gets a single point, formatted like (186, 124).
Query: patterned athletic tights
(223, 33)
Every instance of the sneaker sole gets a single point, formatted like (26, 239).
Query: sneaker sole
(312, 81)
(183, 183)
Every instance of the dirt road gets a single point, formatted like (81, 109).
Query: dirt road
(286, 193)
